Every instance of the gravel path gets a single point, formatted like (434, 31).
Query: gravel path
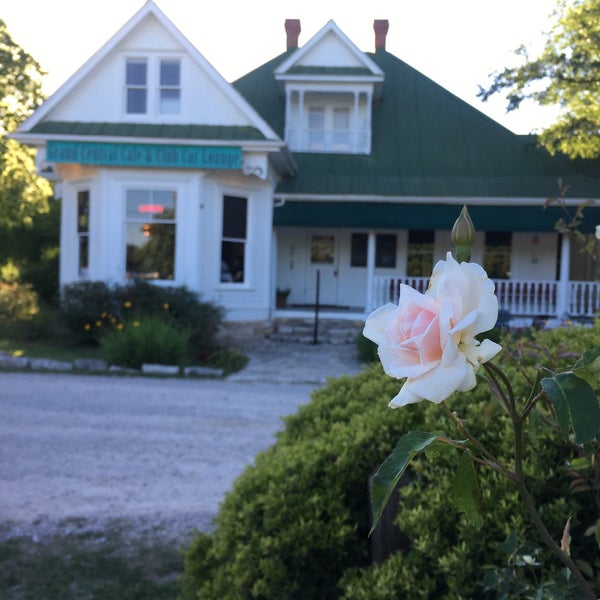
(88, 449)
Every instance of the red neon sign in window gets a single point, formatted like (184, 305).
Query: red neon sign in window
(154, 209)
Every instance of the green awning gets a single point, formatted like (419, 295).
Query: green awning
(387, 215)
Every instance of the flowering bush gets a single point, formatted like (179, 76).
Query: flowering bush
(430, 340)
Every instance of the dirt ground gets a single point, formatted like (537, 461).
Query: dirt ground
(79, 451)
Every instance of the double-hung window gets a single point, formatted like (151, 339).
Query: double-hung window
(136, 81)
(83, 231)
(151, 233)
(234, 239)
(170, 87)
(316, 128)
(153, 86)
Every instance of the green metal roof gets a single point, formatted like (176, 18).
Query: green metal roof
(339, 71)
(425, 142)
(149, 130)
(390, 215)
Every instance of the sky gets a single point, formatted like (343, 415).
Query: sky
(457, 43)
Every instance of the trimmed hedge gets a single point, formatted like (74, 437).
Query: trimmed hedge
(295, 524)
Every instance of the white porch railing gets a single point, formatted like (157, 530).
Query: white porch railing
(519, 297)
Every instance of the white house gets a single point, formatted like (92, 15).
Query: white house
(329, 171)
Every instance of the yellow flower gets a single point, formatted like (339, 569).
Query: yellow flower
(103, 315)
(166, 306)
(120, 326)
(98, 323)
(113, 320)
(87, 326)
(136, 323)
(127, 304)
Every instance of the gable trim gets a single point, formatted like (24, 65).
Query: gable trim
(296, 56)
(149, 8)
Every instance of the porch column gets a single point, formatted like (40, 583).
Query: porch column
(562, 300)
(301, 128)
(355, 122)
(370, 271)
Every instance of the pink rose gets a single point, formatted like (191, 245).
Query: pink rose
(430, 338)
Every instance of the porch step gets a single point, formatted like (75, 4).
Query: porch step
(329, 331)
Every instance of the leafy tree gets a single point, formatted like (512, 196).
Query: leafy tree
(566, 74)
(22, 193)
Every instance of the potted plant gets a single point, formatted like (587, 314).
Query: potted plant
(281, 297)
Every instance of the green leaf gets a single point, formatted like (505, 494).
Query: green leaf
(576, 405)
(392, 469)
(466, 493)
(590, 360)
(598, 534)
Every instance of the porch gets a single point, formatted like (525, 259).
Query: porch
(519, 297)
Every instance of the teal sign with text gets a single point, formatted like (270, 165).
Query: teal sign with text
(144, 155)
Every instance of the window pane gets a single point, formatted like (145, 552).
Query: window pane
(136, 72)
(316, 118)
(169, 72)
(341, 118)
(322, 249)
(155, 205)
(169, 102)
(83, 212)
(234, 217)
(136, 101)
(232, 261)
(150, 251)
(385, 250)
(84, 245)
(496, 258)
(358, 250)
(419, 261)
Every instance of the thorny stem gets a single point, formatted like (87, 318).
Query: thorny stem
(491, 461)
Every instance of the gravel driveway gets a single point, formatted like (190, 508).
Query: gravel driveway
(162, 451)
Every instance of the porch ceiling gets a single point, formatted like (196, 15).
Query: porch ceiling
(384, 215)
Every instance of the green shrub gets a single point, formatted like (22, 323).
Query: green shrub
(178, 305)
(296, 522)
(150, 340)
(90, 308)
(87, 309)
(366, 349)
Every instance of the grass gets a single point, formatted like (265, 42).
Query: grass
(108, 564)
(45, 342)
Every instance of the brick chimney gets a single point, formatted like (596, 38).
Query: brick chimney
(292, 30)
(381, 27)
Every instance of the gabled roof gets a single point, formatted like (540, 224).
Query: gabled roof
(148, 9)
(426, 143)
(344, 59)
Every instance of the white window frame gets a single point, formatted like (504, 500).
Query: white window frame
(83, 234)
(153, 87)
(245, 283)
(153, 187)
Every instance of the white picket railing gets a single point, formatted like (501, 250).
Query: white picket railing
(519, 297)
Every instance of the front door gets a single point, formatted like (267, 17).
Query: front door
(322, 265)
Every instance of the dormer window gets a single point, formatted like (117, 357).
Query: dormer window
(163, 76)
(329, 121)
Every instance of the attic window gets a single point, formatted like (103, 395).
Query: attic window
(136, 80)
(170, 90)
